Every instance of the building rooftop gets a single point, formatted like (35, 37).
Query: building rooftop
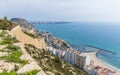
(104, 71)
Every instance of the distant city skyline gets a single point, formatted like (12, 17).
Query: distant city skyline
(62, 10)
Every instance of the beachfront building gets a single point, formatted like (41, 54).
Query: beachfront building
(86, 60)
(78, 60)
(82, 60)
(71, 56)
(66, 55)
(103, 71)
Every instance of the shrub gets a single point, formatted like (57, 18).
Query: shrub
(30, 34)
(13, 47)
(8, 40)
(15, 57)
(65, 44)
(8, 73)
(2, 50)
(6, 25)
(3, 33)
(33, 72)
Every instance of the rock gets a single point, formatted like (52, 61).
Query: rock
(3, 54)
(6, 66)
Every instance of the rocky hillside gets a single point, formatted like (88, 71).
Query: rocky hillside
(22, 22)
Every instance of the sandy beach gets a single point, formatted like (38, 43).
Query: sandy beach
(99, 62)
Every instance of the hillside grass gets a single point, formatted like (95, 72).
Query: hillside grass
(14, 57)
(3, 33)
(8, 73)
(32, 72)
(8, 40)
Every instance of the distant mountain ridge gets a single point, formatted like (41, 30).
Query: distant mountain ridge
(23, 23)
(39, 22)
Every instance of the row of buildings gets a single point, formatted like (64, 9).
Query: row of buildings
(72, 56)
(81, 60)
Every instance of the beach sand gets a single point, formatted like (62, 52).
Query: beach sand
(98, 62)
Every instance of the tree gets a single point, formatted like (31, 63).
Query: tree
(5, 18)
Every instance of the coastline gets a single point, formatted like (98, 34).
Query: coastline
(93, 57)
(99, 62)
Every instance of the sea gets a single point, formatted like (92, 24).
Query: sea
(105, 36)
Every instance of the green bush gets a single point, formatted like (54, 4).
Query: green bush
(8, 40)
(3, 33)
(13, 47)
(65, 44)
(57, 73)
(8, 73)
(2, 50)
(15, 57)
(30, 34)
(33, 72)
(6, 25)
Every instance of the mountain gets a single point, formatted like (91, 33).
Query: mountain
(23, 23)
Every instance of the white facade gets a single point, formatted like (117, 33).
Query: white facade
(87, 60)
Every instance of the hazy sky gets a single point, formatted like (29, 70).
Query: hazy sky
(62, 10)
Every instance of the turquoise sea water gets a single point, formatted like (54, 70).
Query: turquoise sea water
(101, 35)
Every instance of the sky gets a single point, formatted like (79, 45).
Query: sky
(62, 10)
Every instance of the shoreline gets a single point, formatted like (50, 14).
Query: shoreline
(99, 62)
(93, 56)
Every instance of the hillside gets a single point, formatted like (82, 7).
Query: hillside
(14, 60)
(51, 64)
(25, 53)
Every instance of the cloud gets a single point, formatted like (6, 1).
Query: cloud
(68, 10)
